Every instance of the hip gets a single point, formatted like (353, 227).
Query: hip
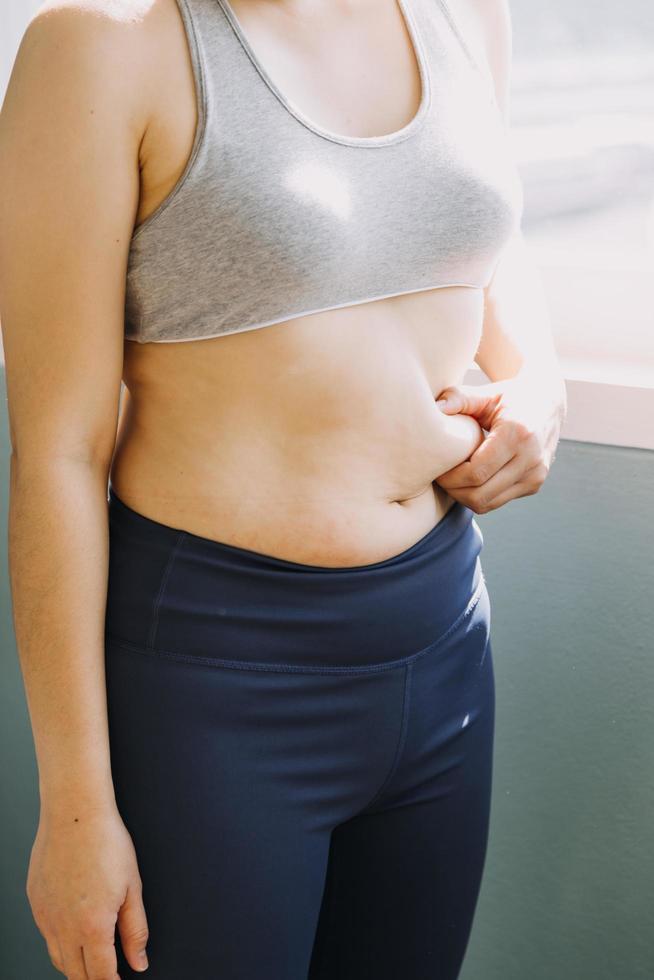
(175, 594)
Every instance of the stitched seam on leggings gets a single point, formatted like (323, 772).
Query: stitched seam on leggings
(400, 741)
(302, 668)
(162, 588)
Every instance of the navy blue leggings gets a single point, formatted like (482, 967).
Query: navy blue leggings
(301, 754)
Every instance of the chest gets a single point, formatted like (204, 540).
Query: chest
(329, 165)
(355, 72)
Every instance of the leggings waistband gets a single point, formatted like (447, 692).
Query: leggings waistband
(176, 594)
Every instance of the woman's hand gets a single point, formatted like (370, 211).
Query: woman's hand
(82, 877)
(523, 422)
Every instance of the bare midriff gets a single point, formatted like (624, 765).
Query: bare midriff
(316, 440)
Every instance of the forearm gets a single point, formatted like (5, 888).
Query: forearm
(58, 562)
(517, 339)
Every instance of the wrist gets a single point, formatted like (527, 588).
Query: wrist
(73, 810)
(73, 799)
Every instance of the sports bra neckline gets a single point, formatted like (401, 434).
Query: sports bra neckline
(386, 139)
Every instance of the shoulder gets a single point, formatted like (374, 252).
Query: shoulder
(99, 46)
(93, 21)
(99, 57)
(487, 26)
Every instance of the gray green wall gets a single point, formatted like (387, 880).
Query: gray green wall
(568, 888)
(568, 892)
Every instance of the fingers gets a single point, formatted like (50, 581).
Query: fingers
(482, 499)
(133, 928)
(523, 488)
(54, 952)
(86, 953)
(481, 401)
(99, 955)
(53, 941)
(489, 459)
(89, 952)
(73, 961)
(511, 482)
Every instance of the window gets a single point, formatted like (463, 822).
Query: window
(582, 121)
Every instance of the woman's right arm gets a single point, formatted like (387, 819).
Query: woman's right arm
(70, 131)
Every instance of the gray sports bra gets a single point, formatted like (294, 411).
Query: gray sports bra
(276, 217)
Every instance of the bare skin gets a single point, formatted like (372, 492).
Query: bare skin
(330, 456)
(334, 462)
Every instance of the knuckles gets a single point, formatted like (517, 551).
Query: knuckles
(480, 475)
(537, 477)
(138, 937)
(477, 502)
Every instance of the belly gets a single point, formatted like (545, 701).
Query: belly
(316, 440)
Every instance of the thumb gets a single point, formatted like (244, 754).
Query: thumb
(476, 400)
(133, 929)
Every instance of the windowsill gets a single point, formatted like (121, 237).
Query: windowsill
(618, 412)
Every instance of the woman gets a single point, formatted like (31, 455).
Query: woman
(261, 691)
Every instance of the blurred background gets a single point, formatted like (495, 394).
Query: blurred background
(569, 884)
(583, 127)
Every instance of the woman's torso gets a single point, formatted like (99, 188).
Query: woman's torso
(317, 438)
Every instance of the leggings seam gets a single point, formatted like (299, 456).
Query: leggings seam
(404, 724)
(294, 668)
(154, 623)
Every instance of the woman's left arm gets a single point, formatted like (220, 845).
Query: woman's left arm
(524, 406)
